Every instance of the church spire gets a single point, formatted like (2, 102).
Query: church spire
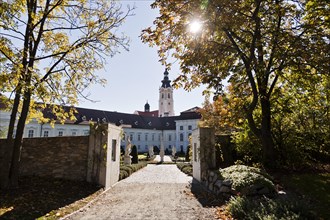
(166, 83)
(166, 104)
(147, 107)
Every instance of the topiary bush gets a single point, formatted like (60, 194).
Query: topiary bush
(134, 154)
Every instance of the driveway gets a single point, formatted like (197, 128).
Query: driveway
(154, 192)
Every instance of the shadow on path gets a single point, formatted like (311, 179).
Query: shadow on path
(205, 197)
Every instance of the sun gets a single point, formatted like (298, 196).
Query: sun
(195, 26)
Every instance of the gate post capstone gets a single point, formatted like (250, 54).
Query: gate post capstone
(203, 148)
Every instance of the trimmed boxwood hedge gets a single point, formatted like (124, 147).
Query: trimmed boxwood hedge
(185, 168)
(127, 170)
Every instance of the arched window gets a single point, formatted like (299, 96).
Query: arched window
(162, 95)
(169, 96)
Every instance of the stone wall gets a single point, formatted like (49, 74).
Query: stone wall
(94, 158)
(59, 157)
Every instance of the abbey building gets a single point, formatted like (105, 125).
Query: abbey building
(145, 128)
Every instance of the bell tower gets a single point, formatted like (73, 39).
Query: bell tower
(166, 104)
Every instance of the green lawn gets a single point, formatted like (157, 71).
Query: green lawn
(142, 156)
(314, 188)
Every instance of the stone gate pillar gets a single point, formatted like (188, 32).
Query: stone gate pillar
(203, 148)
(104, 154)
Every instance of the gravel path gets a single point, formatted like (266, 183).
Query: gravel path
(155, 192)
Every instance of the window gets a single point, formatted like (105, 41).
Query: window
(189, 127)
(162, 95)
(153, 137)
(169, 103)
(74, 133)
(146, 137)
(31, 133)
(169, 137)
(139, 137)
(46, 133)
(159, 137)
(169, 96)
(139, 147)
(181, 137)
(146, 147)
(60, 133)
(131, 137)
(181, 128)
(113, 152)
(86, 132)
(181, 147)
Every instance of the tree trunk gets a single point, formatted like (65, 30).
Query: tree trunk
(6, 154)
(269, 155)
(7, 149)
(18, 143)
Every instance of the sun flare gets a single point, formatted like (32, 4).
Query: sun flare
(195, 26)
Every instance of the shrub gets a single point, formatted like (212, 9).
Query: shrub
(246, 180)
(188, 153)
(265, 208)
(185, 168)
(134, 154)
(123, 174)
(128, 169)
(180, 154)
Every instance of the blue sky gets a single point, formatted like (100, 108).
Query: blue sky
(135, 76)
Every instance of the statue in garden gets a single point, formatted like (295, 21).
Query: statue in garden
(151, 151)
(173, 151)
(162, 150)
(128, 149)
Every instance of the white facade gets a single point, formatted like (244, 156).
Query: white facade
(183, 130)
(34, 129)
(142, 138)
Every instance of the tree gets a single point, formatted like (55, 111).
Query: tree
(52, 49)
(134, 154)
(251, 43)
